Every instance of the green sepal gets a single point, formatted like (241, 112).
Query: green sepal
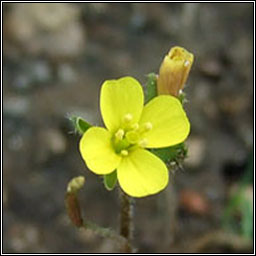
(80, 125)
(182, 98)
(151, 87)
(171, 154)
(110, 180)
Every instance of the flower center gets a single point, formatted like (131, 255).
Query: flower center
(130, 136)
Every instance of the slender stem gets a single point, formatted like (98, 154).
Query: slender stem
(126, 221)
(105, 232)
(75, 215)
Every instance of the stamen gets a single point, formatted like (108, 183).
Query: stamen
(135, 126)
(143, 143)
(119, 134)
(128, 118)
(148, 126)
(124, 152)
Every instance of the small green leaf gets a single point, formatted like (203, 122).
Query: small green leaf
(239, 205)
(171, 154)
(80, 125)
(151, 87)
(110, 180)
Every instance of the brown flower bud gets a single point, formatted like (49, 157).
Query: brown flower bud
(174, 71)
(71, 200)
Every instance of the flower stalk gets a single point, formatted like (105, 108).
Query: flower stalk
(126, 221)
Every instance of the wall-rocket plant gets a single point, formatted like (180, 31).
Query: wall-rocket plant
(142, 134)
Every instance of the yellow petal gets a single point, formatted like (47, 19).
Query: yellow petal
(170, 124)
(97, 152)
(121, 101)
(141, 174)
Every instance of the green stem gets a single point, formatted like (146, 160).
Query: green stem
(126, 221)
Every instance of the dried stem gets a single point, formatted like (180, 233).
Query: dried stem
(126, 221)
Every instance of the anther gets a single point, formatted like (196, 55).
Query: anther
(119, 134)
(128, 118)
(143, 143)
(148, 126)
(124, 152)
(135, 126)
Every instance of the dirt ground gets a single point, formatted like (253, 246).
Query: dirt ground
(55, 58)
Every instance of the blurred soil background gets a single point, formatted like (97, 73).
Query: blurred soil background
(55, 58)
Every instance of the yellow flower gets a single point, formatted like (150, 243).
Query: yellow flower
(131, 128)
(174, 71)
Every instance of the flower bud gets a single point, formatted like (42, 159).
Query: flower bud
(71, 200)
(174, 71)
(75, 184)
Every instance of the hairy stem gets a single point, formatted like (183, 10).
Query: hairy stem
(105, 232)
(126, 221)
